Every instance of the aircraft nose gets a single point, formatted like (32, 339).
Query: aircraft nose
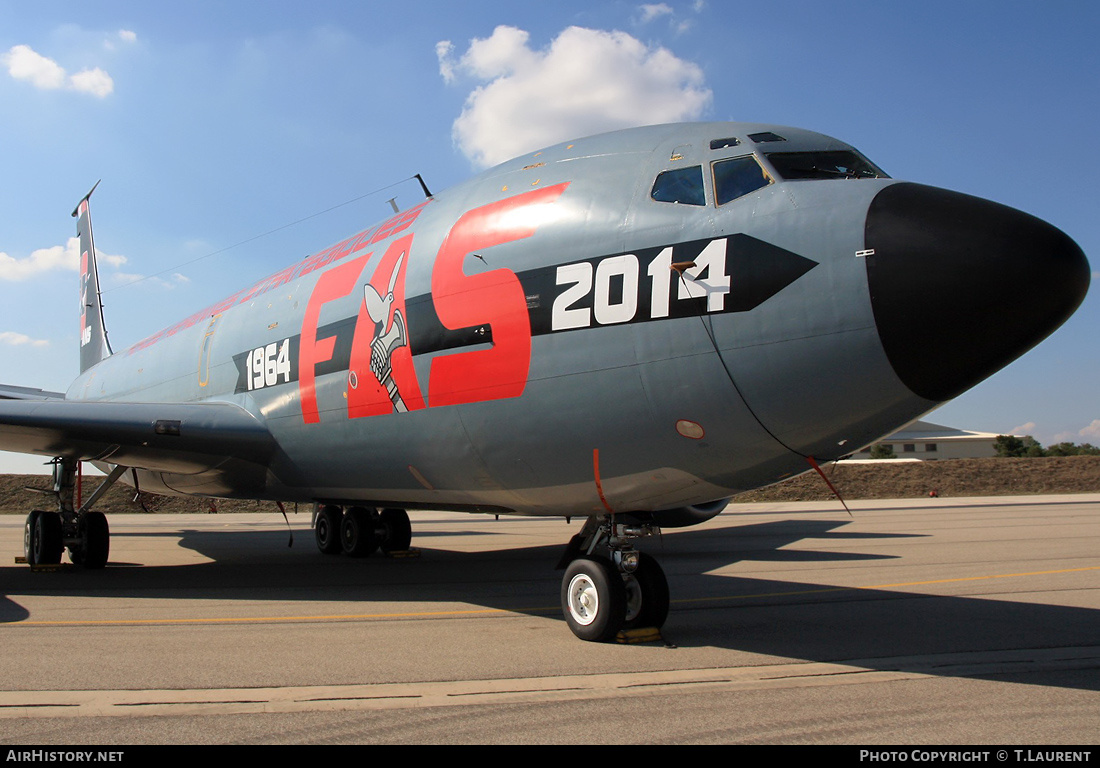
(962, 286)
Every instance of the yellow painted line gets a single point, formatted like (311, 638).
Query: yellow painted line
(260, 619)
(487, 611)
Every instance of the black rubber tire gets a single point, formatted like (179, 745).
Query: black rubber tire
(647, 594)
(398, 528)
(593, 599)
(28, 536)
(47, 542)
(327, 529)
(357, 536)
(96, 541)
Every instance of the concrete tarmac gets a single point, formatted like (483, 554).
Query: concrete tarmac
(938, 621)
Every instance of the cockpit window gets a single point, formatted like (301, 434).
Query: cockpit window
(732, 141)
(682, 185)
(737, 177)
(839, 164)
(765, 136)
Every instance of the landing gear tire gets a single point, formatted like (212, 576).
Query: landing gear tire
(327, 530)
(398, 530)
(42, 538)
(647, 596)
(357, 536)
(28, 536)
(593, 599)
(95, 541)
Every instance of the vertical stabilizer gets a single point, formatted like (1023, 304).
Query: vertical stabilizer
(93, 333)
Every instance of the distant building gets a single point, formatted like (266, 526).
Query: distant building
(927, 441)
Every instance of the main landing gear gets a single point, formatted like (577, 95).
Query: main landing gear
(360, 531)
(83, 532)
(624, 590)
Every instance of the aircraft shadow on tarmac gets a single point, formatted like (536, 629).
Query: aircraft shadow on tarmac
(774, 617)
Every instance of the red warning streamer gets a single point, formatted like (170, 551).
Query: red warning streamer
(832, 488)
(596, 474)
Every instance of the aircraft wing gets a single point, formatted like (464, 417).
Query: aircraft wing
(161, 437)
(8, 392)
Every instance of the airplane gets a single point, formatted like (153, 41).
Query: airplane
(630, 328)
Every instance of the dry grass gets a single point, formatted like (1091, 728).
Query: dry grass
(879, 480)
(957, 477)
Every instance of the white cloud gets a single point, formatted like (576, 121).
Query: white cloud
(93, 81)
(127, 36)
(651, 11)
(41, 260)
(1023, 429)
(17, 339)
(586, 81)
(1092, 431)
(47, 259)
(24, 63)
(446, 67)
(123, 279)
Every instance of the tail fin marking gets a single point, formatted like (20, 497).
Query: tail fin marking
(94, 345)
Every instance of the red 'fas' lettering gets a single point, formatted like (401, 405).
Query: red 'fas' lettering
(381, 375)
(331, 285)
(495, 297)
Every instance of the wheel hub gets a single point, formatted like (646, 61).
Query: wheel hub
(584, 601)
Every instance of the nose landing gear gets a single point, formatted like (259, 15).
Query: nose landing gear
(602, 596)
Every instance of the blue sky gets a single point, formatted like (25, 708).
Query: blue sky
(213, 122)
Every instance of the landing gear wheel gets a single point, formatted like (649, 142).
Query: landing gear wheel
(593, 599)
(357, 536)
(327, 530)
(95, 544)
(28, 536)
(398, 530)
(646, 594)
(45, 544)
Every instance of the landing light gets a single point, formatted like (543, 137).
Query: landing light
(627, 560)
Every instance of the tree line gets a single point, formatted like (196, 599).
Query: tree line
(1010, 446)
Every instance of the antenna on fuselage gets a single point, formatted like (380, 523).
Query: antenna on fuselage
(423, 186)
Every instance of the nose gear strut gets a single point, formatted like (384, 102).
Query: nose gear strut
(624, 589)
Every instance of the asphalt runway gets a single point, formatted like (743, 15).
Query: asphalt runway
(940, 621)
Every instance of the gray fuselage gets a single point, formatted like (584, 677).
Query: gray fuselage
(572, 332)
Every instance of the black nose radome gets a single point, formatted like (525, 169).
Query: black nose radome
(961, 286)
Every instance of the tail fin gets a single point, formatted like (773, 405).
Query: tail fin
(93, 332)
